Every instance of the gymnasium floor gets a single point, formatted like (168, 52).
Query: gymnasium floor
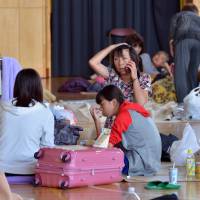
(117, 191)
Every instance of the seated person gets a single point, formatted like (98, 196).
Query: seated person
(133, 130)
(162, 83)
(137, 42)
(96, 78)
(26, 124)
(124, 73)
(158, 64)
(97, 83)
(158, 67)
(5, 193)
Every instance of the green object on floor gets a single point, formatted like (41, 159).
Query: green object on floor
(159, 185)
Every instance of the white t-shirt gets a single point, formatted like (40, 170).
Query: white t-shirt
(23, 130)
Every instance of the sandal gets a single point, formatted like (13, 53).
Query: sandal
(159, 185)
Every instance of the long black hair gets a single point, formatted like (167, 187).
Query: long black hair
(28, 87)
(109, 93)
(133, 55)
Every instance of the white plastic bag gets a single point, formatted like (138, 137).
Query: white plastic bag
(178, 150)
(192, 104)
(60, 112)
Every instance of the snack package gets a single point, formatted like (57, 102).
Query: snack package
(103, 140)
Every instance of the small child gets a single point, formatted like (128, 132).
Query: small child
(133, 130)
(160, 61)
(5, 192)
(158, 65)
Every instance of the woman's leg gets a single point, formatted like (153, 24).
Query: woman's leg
(5, 192)
(182, 59)
(194, 64)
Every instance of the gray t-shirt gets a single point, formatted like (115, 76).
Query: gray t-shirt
(148, 66)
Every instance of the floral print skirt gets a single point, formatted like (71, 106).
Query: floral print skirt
(163, 90)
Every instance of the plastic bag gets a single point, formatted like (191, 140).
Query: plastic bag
(178, 150)
(60, 113)
(192, 104)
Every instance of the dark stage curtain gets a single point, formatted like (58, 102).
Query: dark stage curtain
(163, 11)
(80, 29)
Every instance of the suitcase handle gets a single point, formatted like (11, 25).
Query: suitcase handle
(38, 154)
(66, 157)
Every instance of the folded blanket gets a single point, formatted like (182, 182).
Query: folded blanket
(75, 85)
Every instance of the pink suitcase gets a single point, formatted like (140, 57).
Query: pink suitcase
(63, 168)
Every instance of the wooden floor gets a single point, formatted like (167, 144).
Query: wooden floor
(117, 191)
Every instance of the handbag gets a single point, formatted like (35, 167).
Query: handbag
(66, 134)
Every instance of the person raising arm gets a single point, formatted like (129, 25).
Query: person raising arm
(123, 73)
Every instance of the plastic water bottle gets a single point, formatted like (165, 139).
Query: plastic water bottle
(173, 175)
(190, 163)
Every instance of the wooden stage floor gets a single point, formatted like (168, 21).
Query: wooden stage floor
(52, 84)
(116, 191)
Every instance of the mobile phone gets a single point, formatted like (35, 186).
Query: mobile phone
(127, 69)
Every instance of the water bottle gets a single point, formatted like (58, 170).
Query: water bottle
(190, 163)
(173, 175)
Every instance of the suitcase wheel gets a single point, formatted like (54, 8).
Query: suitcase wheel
(37, 181)
(64, 185)
(38, 154)
(66, 157)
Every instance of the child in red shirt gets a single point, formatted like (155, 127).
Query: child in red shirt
(133, 129)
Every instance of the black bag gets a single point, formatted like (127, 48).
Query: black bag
(166, 197)
(167, 141)
(66, 134)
